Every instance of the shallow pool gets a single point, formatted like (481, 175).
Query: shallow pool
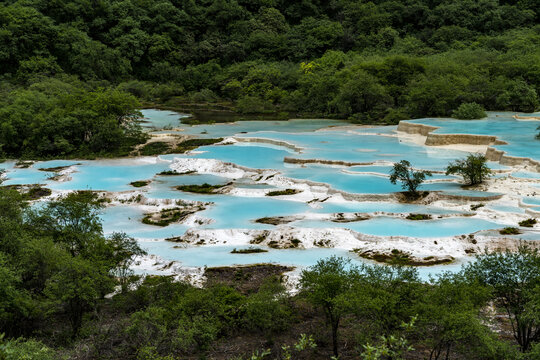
(378, 147)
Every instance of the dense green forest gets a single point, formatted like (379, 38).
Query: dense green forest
(58, 271)
(376, 61)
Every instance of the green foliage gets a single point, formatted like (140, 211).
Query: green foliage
(155, 148)
(452, 311)
(473, 168)
(191, 144)
(56, 260)
(510, 231)
(528, 223)
(469, 111)
(267, 310)
(368, 62)
(140, 183)
(22, 349)
(514, 279)
(418, 217)
(166, 216)
(410, 179)
(283, 192)
(326, 284)
(200, 189)
(53, 118)
(392, 347)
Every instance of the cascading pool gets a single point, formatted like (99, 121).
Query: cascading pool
(312, 139)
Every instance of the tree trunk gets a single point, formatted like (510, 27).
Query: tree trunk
(335, 325)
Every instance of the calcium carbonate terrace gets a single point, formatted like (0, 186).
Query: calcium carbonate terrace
(338, 170)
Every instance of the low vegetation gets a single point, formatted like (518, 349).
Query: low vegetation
(174, 172)
(510, 231)
(249, 250)
(283, 192)
(155, 148)
(476, 206)
(473, 169)
(201, 189)
(419, 217)
(139, 183)
(169, 216)
(274, 220)
(56, 168)
(401, 258)
(36, 192)
(192, 144)
(21, 164)
(528, 223)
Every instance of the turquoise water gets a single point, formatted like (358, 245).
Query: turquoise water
(526, 175)
(239, 212)
(510, 209)
(200, 256)
(111, 175)
(387, 226)
(532, 200)
(224, 130)
(351, 147)
(158, 119)
(371, 207)
(518, 133)
(128, 219)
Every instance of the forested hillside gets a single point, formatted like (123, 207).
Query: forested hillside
(367, 61)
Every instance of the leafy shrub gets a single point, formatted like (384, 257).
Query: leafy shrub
(477, 206)
(139, 183)
(155, 148)
(24, 349)
(192, 144)
(510, 231)
(469, 111)
(249, 250)
(282, 192)
(418, 217)
(528, 223)
(200, 189)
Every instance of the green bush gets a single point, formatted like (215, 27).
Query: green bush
(469, 111)
(418, 217)
(155, 148)
(200, 189)
(282, 192)
(510, 231)
(528, 223)
(22, 349)
(139, 183)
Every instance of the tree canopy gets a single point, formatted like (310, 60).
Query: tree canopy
(378, 61)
